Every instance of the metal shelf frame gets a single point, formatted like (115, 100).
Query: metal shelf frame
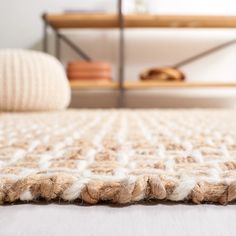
(146, 21)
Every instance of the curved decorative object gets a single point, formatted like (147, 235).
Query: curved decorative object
(162, 74)
(32, 81)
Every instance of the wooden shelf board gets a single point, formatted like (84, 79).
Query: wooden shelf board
(94, 85)
(132, 85)
(138, 21)
(184, 84)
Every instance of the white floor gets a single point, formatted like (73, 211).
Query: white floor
(153, 98)
(134, 220)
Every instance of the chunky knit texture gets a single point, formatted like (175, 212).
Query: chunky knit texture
(121, 156)
(32, 81)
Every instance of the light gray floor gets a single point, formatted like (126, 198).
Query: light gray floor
(154, 98)
(134, 220)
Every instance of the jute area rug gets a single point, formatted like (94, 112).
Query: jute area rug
(120, 156)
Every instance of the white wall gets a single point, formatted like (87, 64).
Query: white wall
(21, 27)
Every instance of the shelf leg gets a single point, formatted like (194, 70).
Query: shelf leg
(121, 54)
(57, 46)
(45, 35)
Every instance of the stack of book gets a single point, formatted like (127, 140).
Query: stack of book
(89, 71)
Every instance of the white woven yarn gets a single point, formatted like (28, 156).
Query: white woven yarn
(32, 81)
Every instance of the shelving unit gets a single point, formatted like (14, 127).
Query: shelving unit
(120, 21)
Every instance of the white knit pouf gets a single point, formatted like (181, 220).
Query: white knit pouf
(32, 81)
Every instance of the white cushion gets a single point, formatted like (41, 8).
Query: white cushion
(32, 81)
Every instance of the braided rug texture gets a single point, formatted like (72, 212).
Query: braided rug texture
(121, 156)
